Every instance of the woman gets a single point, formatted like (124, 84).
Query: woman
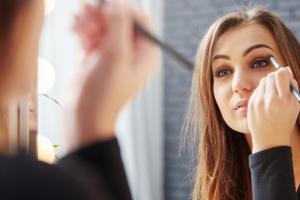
(117, 62)
(241, 105)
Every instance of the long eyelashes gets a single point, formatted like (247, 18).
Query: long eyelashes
(224, 71)
(261, 62)
(256, 63)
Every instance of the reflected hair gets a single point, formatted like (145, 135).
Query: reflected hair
(8, 12)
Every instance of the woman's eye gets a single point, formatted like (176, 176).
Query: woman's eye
(260, 63)
(222, 73)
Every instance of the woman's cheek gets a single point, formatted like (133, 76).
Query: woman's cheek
(222, 97)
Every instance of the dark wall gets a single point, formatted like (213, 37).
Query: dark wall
(185, 23)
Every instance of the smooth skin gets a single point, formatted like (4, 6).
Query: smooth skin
(243, 72)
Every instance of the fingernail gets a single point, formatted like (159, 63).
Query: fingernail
(290, 70)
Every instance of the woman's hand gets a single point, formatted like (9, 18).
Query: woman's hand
(117, 62)
(273, 111)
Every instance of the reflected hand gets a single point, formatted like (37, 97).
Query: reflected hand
(117, 62)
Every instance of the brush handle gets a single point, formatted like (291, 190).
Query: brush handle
(295, 92)
(166, 47)
(293, 88)
(188, 65)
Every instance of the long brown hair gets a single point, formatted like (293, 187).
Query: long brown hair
(9, 10)
(222, 171)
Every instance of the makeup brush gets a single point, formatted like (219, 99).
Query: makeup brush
(188, 65)
(293, 88)
(166, 47)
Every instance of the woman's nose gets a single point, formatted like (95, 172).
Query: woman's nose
(241, 82)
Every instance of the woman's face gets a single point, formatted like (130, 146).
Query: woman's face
(22, 51)
(240, 60)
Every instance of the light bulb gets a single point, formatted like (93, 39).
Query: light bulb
(45, 150)
(49, 6)
(46, 76)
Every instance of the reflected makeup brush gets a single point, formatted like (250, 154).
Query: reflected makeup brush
(188, 65)
(293, 88)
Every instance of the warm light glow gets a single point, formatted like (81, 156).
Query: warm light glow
(46, 76)
(49, 6)
(45, 150)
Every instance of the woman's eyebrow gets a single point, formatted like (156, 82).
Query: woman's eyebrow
(247, 51)
(256, 46)
(220, 56)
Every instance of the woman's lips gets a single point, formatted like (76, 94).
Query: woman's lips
(242, 109)
(241, 106)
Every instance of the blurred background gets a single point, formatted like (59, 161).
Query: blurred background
(149, 127)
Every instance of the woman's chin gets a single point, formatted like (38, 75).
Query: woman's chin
(243, 130)
(240, 126)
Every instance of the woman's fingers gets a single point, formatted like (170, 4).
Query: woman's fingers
(257, 97)
(89, 26)
(270, 88)
(119, 31)
(141, 18)
(262, 87)
(271, 99)
(277, 84)
(283, 79)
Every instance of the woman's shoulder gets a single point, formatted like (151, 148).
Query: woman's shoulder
(23, 177)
